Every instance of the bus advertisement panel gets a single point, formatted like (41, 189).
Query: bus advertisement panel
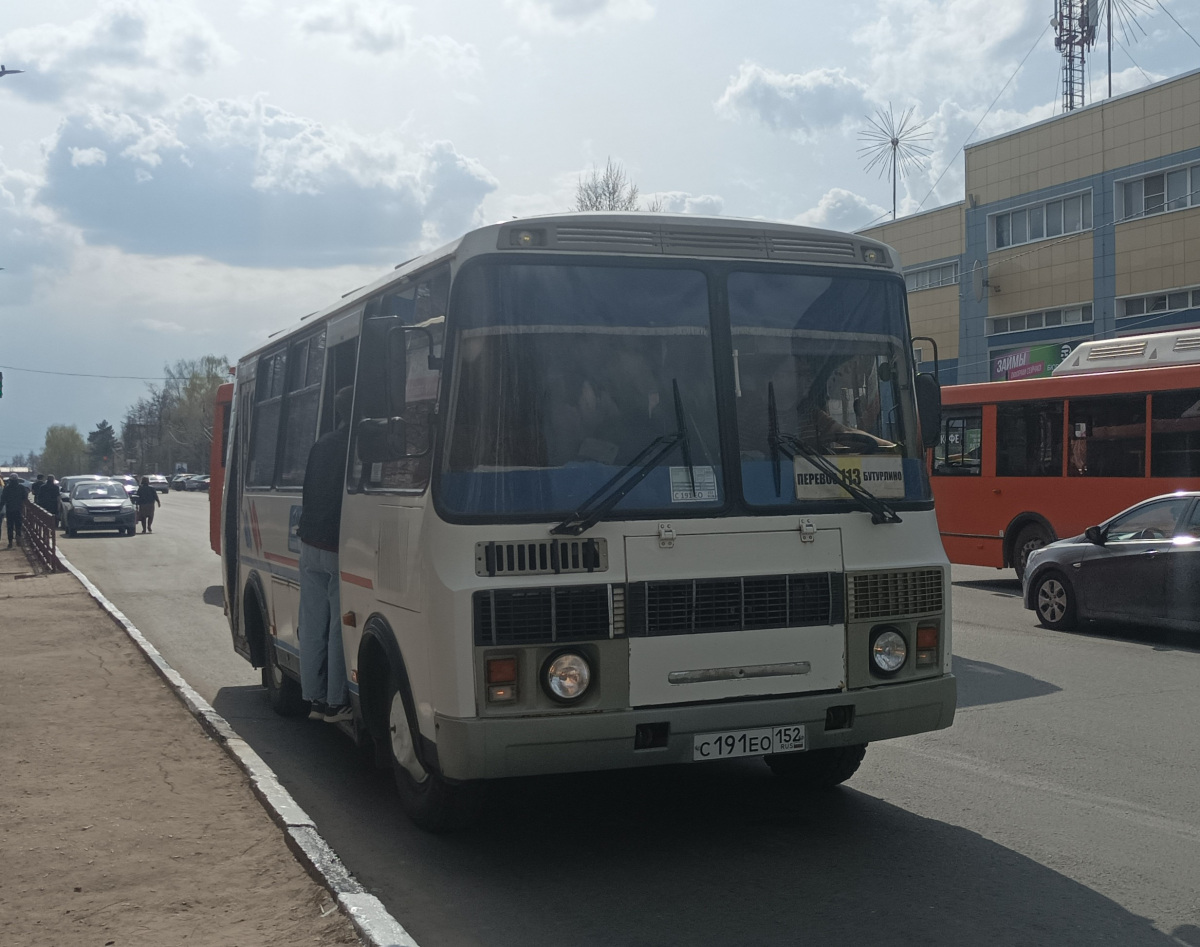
(1023, 463)
(619, 490)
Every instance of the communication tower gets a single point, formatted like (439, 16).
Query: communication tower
(1074, 25)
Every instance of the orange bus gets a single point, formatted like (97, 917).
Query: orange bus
(1022, 463)
(216, 462)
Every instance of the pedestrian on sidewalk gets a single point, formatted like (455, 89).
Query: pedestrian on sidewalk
(12, 498)
(322, 661)
(47, 497)
(146, 499)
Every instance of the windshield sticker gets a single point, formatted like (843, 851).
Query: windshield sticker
(881, 476)
(704, 478)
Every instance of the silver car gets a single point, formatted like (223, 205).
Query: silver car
(99, 504)
(1142, 566)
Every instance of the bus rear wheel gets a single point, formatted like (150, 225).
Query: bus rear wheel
(283, 691)
(1030, 537)
(430, 801)
(818, 769)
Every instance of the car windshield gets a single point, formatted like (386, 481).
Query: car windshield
(97, 491)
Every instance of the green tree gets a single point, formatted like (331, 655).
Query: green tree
(64, 453)
(103, 447)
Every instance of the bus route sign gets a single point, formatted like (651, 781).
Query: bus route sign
(882, 476)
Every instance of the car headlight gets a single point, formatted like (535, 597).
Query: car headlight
(566, 676)
(126, 506)
(888, 650)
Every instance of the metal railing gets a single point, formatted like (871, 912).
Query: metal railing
(41, 537)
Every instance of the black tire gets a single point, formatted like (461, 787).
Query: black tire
(1054, 601)
(71, 530)
(1030, 537)
(818, 769)
(283, 691)
(430, 801)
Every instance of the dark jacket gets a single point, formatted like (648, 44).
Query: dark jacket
(12, 497)
(324, 479)
(146, 496)
(47, 496)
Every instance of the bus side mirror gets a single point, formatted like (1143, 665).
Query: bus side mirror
(381, 439)
(1094, 534)
(929, 409)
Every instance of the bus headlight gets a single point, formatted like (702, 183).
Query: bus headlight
(566, 676)
(888, 650)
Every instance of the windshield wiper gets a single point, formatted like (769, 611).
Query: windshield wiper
(617, 487)
(790, 445)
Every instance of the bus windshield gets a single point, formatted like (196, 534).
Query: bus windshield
(564, 376)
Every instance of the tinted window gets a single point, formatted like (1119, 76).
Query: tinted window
(1175, 434)
(1108, 436)
(1029, 439)
(268, 398)
(307, 358)
(1155, 520)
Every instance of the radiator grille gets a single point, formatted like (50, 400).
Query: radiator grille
(542, 616)
(541, 557)
(699, 606)
(892, 594)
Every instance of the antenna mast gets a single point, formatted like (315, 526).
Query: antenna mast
(1074, 25)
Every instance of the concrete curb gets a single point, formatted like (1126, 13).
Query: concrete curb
(366, 912)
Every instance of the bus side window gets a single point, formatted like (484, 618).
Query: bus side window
(264, 426)
(958, 450)
(1175, 434)
(1029, 439)
(1108, 436)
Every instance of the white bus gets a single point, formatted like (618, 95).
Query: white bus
(621, 490)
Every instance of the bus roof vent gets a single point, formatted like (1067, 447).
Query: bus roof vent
(1117, 348)
(541, 557)
(698, 242)
(808, 248)
(630, 239)
(1187, 343)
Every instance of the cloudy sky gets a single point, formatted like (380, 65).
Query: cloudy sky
(182, 178)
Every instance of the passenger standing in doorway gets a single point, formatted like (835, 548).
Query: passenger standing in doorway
(322, 662)
(12, 498)
(146, 499)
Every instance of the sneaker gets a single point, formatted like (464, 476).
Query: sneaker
(317, 710)
(339, 713)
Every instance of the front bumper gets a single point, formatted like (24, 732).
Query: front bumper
(525, 746)
(88, 521)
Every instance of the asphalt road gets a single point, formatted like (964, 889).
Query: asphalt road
(1062, 808)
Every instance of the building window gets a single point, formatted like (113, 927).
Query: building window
(1157, 193)
(931, 277)
(1153, 303)
(1071, 315)
(1040, 221)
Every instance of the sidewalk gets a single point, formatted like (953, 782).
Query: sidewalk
(123, 822)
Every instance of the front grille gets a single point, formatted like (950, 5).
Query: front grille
(811, 248)
(542, 616)
(693, 242)
(628, 239)
(699, 606)
(541, 557)
(894, 594)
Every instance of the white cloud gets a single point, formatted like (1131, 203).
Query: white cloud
(363, 26)
(839, 209)
(127, 52)
(681, 202)
(250, 184)
(83, 157)
(573, 16)
(797, 104)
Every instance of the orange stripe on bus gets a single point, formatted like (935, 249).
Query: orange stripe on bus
(285, 560)
(357, 580)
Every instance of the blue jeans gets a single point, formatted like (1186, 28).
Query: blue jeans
(322, 661)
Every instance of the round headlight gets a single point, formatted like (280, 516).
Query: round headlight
(888, 650)
(566, 676)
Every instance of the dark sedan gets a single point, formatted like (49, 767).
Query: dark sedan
(1142, 565)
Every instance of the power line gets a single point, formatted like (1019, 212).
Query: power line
(1177, 23)
(42, 371)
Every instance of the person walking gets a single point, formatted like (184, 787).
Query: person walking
(47, 497)
(322, 661)
(12, 498)
(146, 499)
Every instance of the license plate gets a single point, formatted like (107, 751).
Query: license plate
(730, 743)
(104, 519)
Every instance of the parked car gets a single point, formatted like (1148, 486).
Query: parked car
(179, 480)
(99, 504)
(1142, 565)
(198, 482)
(65, 485)
(129, 482)
(159, 482)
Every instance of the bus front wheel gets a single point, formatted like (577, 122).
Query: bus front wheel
(818, 769)
(1030, 537)
(432, 802)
